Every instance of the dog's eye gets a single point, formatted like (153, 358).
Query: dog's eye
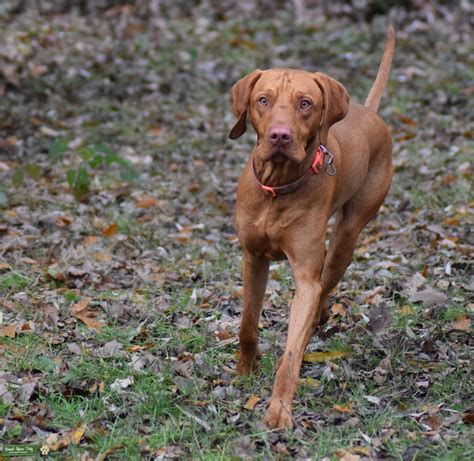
(262, 100)
(305, 104)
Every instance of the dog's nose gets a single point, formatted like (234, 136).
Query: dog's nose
(280, 135)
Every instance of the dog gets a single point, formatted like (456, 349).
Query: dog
(317, 155)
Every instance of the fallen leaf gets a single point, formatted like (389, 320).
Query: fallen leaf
(375, 296)
(344, 455)
(432, 422)
(251, 402)
(146, 201)
(154, 130)
(469, 416)
(462, 323)
(338, 309)
(324, 356)
(80, 305)
(122, 383)
(380, 318)
(28, 261)
(26, 391)
(183, 368)
(223, 335)
(102, 257)
(9, 331)
(105, 454)
(347, 408)
(38, 70)
(86, 316)
(372, 399)
(110, 230)
(428, 296)
(71, 437)
(90, 240)
(109, 349)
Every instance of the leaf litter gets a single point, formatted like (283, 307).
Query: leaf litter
(108, 285)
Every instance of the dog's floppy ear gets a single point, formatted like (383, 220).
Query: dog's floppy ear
(335, 103)
(239, 97)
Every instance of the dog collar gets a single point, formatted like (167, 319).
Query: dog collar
(315, 168)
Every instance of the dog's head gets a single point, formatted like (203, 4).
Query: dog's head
(290, 110)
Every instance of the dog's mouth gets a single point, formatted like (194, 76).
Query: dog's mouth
(279, 157)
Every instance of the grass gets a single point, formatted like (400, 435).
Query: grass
(172, 300)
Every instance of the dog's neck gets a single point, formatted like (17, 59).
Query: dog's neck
(277, 173)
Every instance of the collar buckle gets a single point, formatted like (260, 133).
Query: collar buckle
(329, 169)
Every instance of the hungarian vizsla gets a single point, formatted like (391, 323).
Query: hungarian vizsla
(317, 155)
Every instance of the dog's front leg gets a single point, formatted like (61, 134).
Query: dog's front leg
(304, 316)
(255, 272)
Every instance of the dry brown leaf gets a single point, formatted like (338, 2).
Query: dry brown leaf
(90, 322)
(375, 296)
(433, 422)
(194, 186)
(4, 266)
(146, 201)
(343, 408)
(428, 296)
(105, 454)
(469, 416)
(9, 331)
(29, 261)
(38, 70)
(462, 323)
(102, 257)
(323, 356)
(27, 326)
(239, 292)
(154, 131)
(344, 455)
(223, 335)
(251, 402)
(110, 230)
(338, 309)
(73, 436)
(406, 120)
(136, 348)
(86, 316)
(80, 305)
(90, 240)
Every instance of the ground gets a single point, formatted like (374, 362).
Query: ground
(120, 270)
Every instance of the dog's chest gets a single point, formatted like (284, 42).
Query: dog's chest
(263, 230)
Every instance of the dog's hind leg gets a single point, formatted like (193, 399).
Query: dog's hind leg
(350, 220)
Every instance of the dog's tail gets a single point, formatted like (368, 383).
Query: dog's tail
(375, 94)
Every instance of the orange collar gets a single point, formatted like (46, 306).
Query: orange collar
(315, 168)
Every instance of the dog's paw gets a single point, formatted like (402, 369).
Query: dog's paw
(278, 415)
(246, 366)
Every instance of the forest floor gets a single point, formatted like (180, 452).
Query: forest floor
(120, 270)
